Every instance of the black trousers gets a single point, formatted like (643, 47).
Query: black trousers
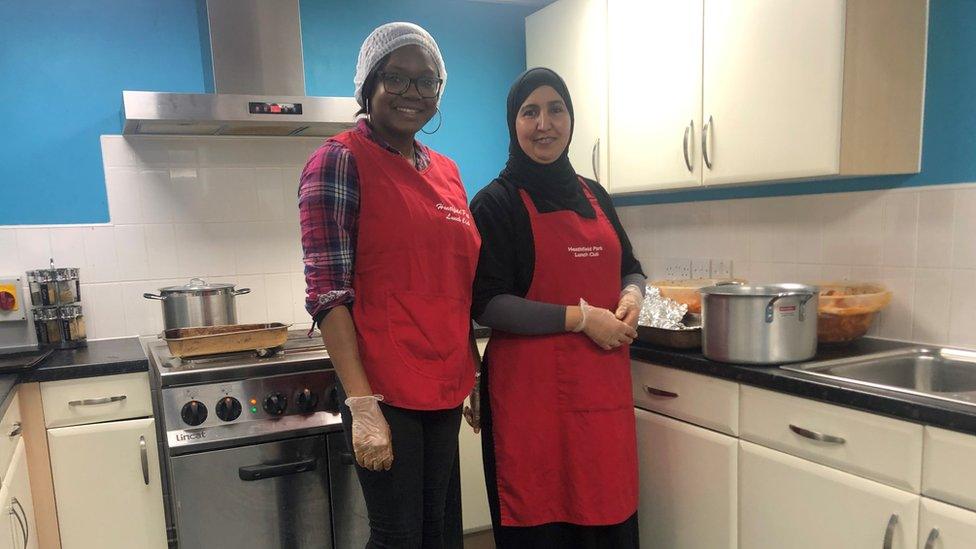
(417, 503)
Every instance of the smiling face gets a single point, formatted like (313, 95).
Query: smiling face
(543, 125)
(403, 115)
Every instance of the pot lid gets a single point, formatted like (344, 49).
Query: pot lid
(196, 285)
(764, 290)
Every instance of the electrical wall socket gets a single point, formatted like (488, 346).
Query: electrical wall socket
(721, 268)
(700, 268)
(675, 269)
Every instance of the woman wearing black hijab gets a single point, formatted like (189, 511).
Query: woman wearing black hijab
(559, 285)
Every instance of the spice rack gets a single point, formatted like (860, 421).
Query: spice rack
(55, 293)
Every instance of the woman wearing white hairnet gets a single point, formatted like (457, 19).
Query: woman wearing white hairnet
(390, 255)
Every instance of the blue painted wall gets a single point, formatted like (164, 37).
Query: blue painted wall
(949, 133)
(66, 62)
(483, 46)
(63, 66)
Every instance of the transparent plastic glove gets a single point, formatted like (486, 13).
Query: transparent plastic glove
(603, 327)
(472, 412)
(371, 440)
(629, 306)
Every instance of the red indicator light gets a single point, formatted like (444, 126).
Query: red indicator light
(276, 108)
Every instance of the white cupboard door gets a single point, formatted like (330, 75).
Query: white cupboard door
(688, 482)
(943, 526)
(773, 87)
(10, 533)
(790, 502)
(21, 504)
(107, 486)
(655, 76)
(570, 37)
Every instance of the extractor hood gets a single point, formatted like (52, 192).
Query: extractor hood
(252, 57)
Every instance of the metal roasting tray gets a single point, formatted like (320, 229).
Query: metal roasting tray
(212, 340)
(690, 338)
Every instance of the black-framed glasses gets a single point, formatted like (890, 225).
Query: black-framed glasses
(397, 84)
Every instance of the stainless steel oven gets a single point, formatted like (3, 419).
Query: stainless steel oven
(254, 452)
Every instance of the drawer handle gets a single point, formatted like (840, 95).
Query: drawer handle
(96, 401)
(813, 435)
(933, 535)
(660, 392)
(889, 537)
(16, 430)
(144, 454)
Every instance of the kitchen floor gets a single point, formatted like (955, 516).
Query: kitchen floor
(480, 540)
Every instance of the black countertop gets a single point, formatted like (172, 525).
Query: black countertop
(948, 415)
(100, 358)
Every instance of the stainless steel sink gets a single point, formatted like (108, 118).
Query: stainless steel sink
(946, 374)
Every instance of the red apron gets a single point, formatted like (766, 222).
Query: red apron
(416, 254)
(562, 409)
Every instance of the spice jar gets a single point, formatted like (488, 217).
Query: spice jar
(43, 287)
(72, 326)
(47, 325)
(68, 285)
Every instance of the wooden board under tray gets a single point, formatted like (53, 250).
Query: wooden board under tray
(212, 340)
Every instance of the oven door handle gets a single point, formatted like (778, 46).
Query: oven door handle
(258, 472)
(346, 458)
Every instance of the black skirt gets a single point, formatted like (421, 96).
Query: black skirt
(553, 535)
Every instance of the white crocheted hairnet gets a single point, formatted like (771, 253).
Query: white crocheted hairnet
(388, 38)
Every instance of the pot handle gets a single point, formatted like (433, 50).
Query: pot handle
(242, 291)
(777, 297)
(154, 296)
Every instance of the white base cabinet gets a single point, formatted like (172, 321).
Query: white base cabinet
(18, 529)
(785, 501)
(688, 496)
(107, 485)
(943, 526)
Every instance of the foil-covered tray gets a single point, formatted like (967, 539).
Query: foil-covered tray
(667, 323)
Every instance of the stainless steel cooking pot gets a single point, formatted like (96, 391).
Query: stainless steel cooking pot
(198, 304)
(769, 324)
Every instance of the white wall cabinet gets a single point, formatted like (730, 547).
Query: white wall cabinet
(943, 526)
(773, 83)
(786, 501)
(570, 37)
(107, 485)
(719, 92)
(688, 497)
(655, 91)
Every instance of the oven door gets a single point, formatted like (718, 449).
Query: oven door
(349, 517)
(262, 496)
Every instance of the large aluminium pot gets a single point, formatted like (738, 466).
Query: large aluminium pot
(198, 304)
(769, 324)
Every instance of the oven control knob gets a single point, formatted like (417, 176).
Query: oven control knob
(306, 401)
(228, 408)
(194, 413)
(275, 404)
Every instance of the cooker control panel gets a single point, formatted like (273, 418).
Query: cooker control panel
(198, 411)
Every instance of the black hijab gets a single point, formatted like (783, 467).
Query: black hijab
(555, 186)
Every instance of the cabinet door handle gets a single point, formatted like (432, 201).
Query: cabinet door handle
(16, 430)
(595, 160)
(144, 455)
(933, 535)
(708, 161)
(689, 131)
(660, 392)
(24, 528)
(97, 401)
(814, 435)
(889, 537)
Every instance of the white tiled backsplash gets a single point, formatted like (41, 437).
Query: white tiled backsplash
(919, 242)
(225, 208)
(221, 208)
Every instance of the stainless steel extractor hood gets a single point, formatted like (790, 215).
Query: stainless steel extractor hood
(255, 75)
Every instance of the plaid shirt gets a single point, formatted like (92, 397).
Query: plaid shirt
(328, 204)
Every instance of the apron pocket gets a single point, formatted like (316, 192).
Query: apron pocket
(591, 379)
(429, 332)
